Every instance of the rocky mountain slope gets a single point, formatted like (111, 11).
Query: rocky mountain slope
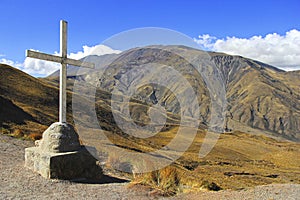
(240, 159)
(259, 97)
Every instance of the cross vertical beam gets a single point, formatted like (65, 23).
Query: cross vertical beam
(64, 61)
(63, 73)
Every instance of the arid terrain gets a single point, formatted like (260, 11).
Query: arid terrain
(256, 157)
(18, 182)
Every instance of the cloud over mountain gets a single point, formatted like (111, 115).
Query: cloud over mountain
(94, 50)
(10, 62)
(282, 51)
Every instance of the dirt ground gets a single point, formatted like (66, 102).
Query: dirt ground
(18, 182)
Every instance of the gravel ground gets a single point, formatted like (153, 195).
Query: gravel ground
(18, 182)
(266, 192)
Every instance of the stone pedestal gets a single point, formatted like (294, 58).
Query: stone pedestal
(60, 155)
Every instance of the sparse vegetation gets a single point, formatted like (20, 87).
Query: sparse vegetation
(18, 133)
(238, 160)
(166, 181)
(4, 131)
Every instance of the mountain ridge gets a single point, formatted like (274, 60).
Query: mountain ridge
(260, 97)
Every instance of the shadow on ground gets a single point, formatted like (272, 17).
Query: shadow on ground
(105, 179)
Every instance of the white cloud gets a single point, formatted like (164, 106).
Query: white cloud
(282, 51)
(11, 63)
(43, 68)
(206, 41)
(95, 50)
(32, 66)
(39, 67)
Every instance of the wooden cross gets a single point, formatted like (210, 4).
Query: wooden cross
(64, 61)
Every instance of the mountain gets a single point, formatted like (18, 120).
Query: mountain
(260, 97)
(240, 159)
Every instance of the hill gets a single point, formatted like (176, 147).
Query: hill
(260, 97)
(27, 103)
(240, 159)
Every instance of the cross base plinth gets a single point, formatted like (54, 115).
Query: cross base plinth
(67, 165)
(60, 156)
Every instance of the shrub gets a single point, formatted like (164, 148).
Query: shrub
(17, 133)
(166, 180)
(4, 130)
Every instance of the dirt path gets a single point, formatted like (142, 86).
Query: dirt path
(266, 192)
(18, 182)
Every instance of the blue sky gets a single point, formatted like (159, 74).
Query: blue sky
(34, 24)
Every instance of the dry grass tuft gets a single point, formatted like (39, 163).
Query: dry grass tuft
(4, 131)
(166, 181)
(18, 133)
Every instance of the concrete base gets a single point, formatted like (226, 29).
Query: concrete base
(67, 165)
(59, 155)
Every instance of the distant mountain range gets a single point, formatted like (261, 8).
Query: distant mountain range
(260, 97)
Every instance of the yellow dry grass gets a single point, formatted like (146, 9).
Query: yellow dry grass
(237, 161)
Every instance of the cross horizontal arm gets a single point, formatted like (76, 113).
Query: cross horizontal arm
(58, 59)
(43, 56)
